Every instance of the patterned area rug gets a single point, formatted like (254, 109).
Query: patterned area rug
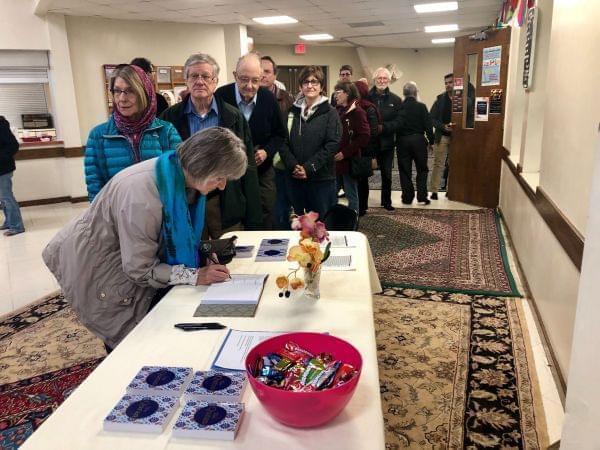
(456, 372)
(448, 250)
(45, 353)
(375, 180)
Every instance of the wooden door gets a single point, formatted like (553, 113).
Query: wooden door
(476, 146)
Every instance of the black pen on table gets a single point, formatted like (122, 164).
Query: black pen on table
(212, 259)
(200, 326)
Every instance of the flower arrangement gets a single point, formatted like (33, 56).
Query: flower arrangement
(307, 253)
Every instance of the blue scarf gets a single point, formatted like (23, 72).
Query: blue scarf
(182, 224)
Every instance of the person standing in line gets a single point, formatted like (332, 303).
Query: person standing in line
(9, 146)
(345, 74)
(389, 105)
(413, 146)
(315, 134)
(374, 119)
(283, 201)
(131, 134)
(441, 117)
(355, 137)
(261, 110)
(237, 207)
(148, 67)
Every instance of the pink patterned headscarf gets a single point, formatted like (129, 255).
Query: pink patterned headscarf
(133, 128)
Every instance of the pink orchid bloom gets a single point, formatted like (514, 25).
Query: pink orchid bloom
(321, 232)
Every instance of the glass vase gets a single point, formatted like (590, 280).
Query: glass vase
(312, 281)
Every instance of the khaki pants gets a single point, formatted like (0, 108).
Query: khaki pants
(440, 153)
(212, 220)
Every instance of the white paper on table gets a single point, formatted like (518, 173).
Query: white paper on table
(239, 290)
(340, 241)
(236, 346)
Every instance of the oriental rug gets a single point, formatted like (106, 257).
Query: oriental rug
(45, 353)
(456, 371)
(449, 250)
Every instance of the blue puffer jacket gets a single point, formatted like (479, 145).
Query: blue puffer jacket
(107, 152)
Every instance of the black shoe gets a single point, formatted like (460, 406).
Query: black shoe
(389, 208)
(433, 196)
(424, 202)
(407, 202)
(362, 213)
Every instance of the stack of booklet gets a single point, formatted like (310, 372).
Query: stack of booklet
(212, 403)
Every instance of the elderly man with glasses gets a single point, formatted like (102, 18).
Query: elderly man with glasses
(236, 207)
(260, 108)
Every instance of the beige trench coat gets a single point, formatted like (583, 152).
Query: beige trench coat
(106, 261)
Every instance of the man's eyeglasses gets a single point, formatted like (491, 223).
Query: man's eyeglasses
(127, 92)
(246, 80)
(312, 82)
(345, 74)
(205, 77)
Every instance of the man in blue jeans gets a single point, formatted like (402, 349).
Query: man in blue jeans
(13, 223)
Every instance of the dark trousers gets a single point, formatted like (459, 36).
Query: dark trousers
(283, 204)
(363, 194)
(308, 195)
(385, 158)
(413, 148)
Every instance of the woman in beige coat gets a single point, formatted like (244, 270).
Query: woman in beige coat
(141, 234)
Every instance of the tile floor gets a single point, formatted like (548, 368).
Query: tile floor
(24, 278)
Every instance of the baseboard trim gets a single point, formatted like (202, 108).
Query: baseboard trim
(565, 233)
(557, 374)
(50, 201)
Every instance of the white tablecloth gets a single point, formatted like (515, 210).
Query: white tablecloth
(344, 310)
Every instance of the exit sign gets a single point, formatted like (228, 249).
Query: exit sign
(300, 49)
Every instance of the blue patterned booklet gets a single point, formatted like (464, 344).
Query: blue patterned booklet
(156, 380)
(216, 386)
(209, 420)
(141, 413)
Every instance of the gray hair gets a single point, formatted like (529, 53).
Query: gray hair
(200, 58)
(213, 152)
(246, 57)
(410, 89)
(382, 69)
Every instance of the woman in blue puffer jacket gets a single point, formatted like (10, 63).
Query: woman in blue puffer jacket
(132, 134)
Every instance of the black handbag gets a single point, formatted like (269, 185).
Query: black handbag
(223, 249)
(360, 166)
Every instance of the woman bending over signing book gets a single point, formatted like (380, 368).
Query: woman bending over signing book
(141, 234)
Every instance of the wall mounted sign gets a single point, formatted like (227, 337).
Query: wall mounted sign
(482, 105)
(496, 101)
(530, 33)
(490, 66)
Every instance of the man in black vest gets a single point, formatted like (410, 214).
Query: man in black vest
(259, 107)
(441, 116)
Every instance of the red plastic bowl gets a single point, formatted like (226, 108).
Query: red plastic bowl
(305, 409)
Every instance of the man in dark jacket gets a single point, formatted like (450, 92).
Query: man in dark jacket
(13, 222)
(412, 145)
(238, 205)
(441, 116)
(389, 105)
(261, 110)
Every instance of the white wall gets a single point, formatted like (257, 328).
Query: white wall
(94, 42)
(571, 123)
(20, 29)
(426, 67)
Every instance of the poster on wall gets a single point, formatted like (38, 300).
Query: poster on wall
(482, 107)
(490, 66)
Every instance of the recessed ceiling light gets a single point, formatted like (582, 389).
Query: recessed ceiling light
(275, 20)
(441, 28)
(442, 41)
(316, 37)
(436, 7)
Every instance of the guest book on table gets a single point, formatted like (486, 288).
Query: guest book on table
(157, 380)
(216, 386)
(141, 413)
(206, 420)
(240, 290)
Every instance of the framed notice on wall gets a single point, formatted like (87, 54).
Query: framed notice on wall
(530, 32)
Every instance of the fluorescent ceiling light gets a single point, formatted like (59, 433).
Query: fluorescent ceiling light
(442, 41)
(436, 7)
(275, 20)
(441, 28)
(316, 37)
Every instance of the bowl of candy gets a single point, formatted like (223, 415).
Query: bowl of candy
(304, 379)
